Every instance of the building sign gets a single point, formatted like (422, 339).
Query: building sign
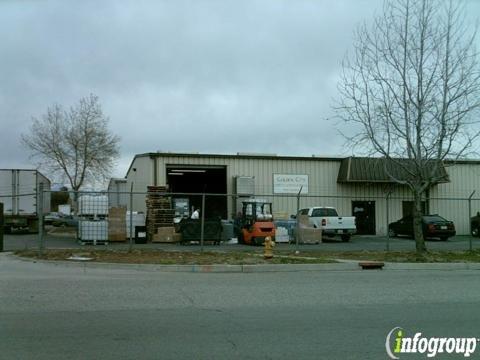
(290, 183)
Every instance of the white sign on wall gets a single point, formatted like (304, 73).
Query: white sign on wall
(290, 183)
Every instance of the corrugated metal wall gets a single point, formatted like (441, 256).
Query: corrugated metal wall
(464, 179)
(323, 187)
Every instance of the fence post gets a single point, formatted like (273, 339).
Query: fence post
(76, 211)
(130, 243)
(469, 221)
(1, 228)
(203, 222)
(297, 232)
(388, 219)
(40, 219)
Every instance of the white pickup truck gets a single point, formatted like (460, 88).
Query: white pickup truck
(327, 219)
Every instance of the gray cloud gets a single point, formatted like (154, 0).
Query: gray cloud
(208, 76)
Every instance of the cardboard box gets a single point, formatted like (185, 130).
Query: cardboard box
(117, 224)
(116, 237)
(303, 221)
(165, 235)
(310, 236)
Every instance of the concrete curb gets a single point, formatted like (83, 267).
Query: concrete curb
(432, 266)
(216, 268)
(299, 267)
(350, 265)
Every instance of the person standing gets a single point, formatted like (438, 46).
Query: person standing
(195, 215)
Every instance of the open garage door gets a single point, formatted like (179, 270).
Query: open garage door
(199, 179)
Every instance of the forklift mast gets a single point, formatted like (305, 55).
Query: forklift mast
(257, 210)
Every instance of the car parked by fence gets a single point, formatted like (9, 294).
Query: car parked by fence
(433, 226)
(475, 225)
(66, 221)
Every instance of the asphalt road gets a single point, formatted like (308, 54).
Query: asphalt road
(57, 312)
(357, 243)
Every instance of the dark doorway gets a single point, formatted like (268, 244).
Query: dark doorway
(364, 212)
(199, 179)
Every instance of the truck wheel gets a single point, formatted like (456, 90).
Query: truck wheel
(240, 238)
(7, 229)
(443, 238)
(345, 238)
(392, 232)
(474, 231)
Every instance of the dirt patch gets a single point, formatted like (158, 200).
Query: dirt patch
(405, 256)
(176, 257)
(151, 256)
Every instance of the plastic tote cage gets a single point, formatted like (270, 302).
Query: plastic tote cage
(93, 232)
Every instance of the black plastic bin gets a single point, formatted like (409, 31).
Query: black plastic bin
(191, 230)
(140, 234)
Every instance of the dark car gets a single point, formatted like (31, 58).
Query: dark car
(475, 225)
(434, 226)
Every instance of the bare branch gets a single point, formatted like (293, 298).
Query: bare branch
(413, 87)
(76, 144)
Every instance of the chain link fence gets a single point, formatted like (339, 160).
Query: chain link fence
(158, 219)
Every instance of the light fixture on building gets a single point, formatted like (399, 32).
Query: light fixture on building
(189, 170)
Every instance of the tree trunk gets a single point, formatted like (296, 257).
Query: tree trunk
(75, 200)
(417, 223)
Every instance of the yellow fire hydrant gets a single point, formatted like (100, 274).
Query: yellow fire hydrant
(268, 248)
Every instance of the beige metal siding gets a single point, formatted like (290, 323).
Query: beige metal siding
(323, 184)
(464, 179)
(141, 178)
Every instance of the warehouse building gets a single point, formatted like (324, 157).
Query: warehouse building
(355, 186)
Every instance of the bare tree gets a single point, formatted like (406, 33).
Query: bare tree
(75, 144)
(412, 89)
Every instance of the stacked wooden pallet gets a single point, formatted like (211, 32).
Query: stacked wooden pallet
(159, 211)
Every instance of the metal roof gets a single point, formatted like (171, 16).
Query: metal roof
(241, 156)
(381, 170)
(253, 156)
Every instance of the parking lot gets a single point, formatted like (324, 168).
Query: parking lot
(357, 243)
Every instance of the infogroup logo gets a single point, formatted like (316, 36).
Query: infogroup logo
(397, 343)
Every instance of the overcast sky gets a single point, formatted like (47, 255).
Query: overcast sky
(214, 76)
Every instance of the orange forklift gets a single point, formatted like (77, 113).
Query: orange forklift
(255, 222)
